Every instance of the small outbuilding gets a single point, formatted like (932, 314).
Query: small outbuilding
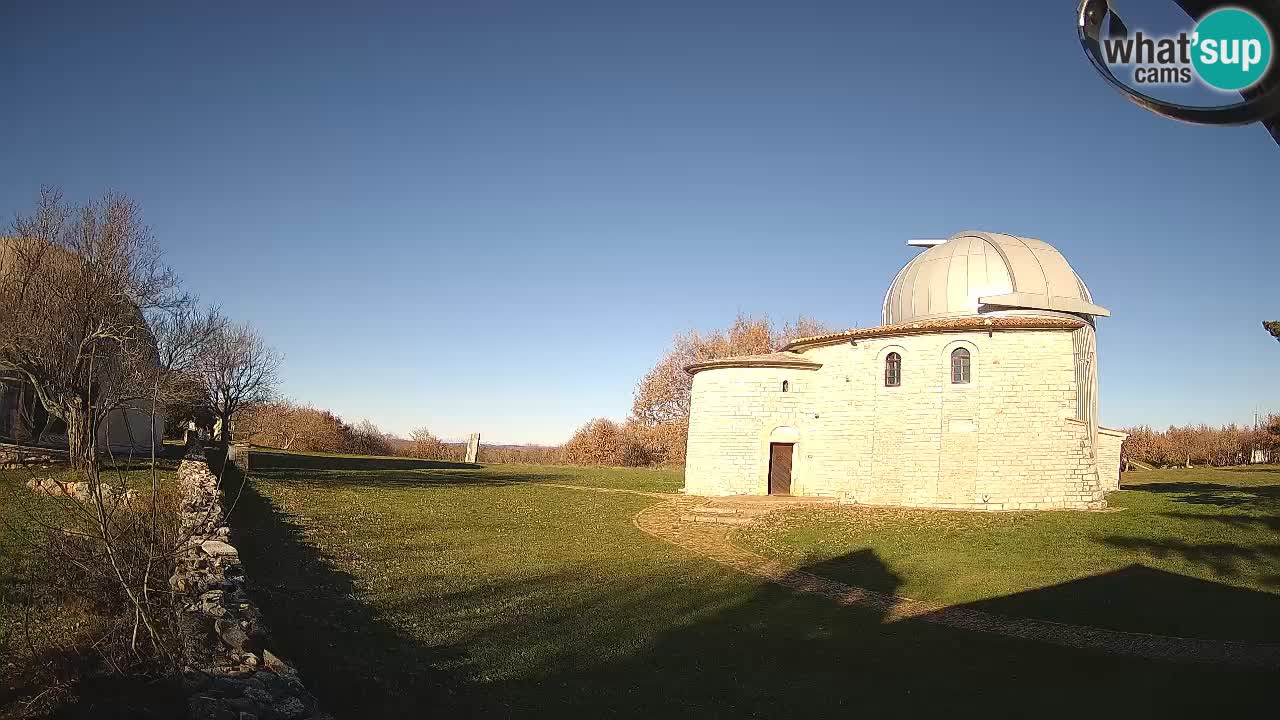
(979, 392)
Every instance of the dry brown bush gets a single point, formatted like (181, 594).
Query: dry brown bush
(522, 454)
(290, 426)
(663, 443)
(604, 442)
(423, 444)
(365, 438)
(660, 412)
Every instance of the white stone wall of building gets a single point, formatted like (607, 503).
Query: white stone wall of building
(1109, 444)
(1004, 441)
(738, 410)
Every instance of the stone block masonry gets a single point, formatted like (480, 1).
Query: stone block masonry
(1005, 440)
(229, 670)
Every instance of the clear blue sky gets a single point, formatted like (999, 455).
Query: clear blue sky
(493, 216)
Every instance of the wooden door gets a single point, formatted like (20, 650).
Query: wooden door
(780, 468)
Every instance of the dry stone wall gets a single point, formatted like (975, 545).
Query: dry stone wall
(19, 456)
(230, 672)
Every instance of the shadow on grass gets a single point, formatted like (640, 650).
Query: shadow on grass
(776, 653)
(1138, 598)
(860, 568)
(1225, 559)
(332, 471)
(266, 460)
(352, 657)
(398, 479)
(1269, 522)
(1243, 497)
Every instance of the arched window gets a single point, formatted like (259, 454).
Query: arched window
(959, 366)
(892, 370)
(786, 386)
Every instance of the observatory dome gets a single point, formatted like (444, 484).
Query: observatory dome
(982, 273)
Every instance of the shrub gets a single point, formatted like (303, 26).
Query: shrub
(1202, 444)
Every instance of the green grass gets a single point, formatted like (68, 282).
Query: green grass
(1186, 552)
(486, 591)
(349, 468)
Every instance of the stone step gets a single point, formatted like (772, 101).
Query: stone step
(745, 511)
(716, 519)
(750, 500)
(709, 510)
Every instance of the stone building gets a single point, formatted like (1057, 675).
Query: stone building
(23, 421)
(979, 392)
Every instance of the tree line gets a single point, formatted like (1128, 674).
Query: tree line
(288, 425)
(1203, 444)
(655, 433)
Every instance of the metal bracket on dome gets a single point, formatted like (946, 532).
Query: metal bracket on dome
(1045, 302)
(926, 242)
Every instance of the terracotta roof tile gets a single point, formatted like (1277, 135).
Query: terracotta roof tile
(940, 325)
(777, 359)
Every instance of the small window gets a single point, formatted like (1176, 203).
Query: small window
(893, 370)
(959, 366)
(786, 386)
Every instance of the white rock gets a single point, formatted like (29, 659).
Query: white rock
(217, 548)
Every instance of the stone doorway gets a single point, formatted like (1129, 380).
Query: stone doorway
(780, 468)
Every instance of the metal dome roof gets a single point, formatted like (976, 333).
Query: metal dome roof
(982, 273)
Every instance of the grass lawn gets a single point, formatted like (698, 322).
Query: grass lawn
(1192, 552)
(349, 468)
(412, 592)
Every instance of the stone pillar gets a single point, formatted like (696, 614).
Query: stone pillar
(473, 447)
(238, 453)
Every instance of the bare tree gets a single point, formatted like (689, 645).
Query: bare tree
(185, 339)
(95, 323)
(241, 371)
(77, 284)
(661, 407)
(424, 444)
(368, 439)
(663, 394)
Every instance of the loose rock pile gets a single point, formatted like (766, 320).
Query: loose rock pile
(230, 673)
(77, 490)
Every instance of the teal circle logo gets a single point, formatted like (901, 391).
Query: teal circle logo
(1232, 49)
